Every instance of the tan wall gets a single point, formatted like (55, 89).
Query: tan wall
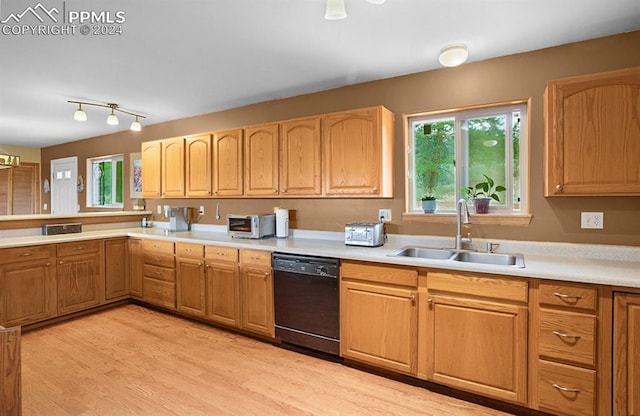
(513, 77)
(27, 154)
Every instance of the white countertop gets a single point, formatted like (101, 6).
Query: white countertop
(586, 263)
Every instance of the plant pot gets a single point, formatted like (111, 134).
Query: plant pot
(430, 206)
(481, 205)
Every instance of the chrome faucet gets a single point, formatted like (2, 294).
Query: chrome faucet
(462, 217)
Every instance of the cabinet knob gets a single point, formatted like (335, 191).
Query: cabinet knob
(199, 264)
(430, 302)
(412, 298)
(559, 187)
(61, 262)
(284, 191)
(275, 191)
(374, 190)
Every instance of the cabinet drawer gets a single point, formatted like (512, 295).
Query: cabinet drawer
(568, 336)
(490, 286)
(17, 254)
(158, 247)
(396, 275)
(77, 247)
(255, 258)
(159, 293)
(191, 251)
(572, 296)
(159, 260)
(160, 273)
(215, 253)
(566, 390)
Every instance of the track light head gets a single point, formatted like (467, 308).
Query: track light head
(80, 115)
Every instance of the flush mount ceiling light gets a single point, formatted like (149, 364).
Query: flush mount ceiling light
(335, 9)
(112, 118)
(453, 55)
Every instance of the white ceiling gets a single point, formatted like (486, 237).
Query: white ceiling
(176, 59)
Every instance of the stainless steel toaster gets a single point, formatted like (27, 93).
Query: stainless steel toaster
(368, 234)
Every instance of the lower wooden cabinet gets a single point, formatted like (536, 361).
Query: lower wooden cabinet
(626, 355)
(79, 275)
(256, 277)
(10, 372)
(136, 266)
(116, 273)
(378, 315)
(473, 332)
(190, 279)
(223, 285)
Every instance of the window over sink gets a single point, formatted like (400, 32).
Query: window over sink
(105, 181)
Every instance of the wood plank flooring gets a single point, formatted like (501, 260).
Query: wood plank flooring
(134, 361)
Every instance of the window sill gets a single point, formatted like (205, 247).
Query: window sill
(450, 218)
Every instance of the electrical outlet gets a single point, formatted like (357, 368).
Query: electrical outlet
(384, 215)
(201, 210)
(592, 220)
(159, 209)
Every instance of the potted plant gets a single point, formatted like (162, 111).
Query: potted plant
(429, 203)
(482, 193)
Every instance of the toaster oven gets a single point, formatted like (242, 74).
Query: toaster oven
(251, 226)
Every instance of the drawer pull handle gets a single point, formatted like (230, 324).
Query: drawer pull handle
(78, 248)
(563, 296)
(27, 254)
(566, 389)
(562, 335)
(158, 291)
(158, 273)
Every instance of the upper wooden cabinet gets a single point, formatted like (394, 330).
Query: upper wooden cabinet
(358, 153)
(151, 168)
(198, 165)
(227, 163)
(172, 167)
(261, 165)
(592, 134)
(300, 157)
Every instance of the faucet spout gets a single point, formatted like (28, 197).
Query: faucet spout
(462, 217)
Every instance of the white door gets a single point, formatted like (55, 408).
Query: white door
(64, 177)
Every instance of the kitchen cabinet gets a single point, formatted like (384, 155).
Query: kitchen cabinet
(116, 272)
(173, 167)
(198, 165)
(136, 266)
(159, 273)
(473, 332)
(10, 372)
(79, 275)
(190, 279)
(228, 178)
(568, 369)
(27, 284)
(378, 322)
(300, 157)
(626, 355)
(358, 153)
(261, 162)
(222, 285)
(592, 139)
(151, 155)
(20, 190)
(257, 292)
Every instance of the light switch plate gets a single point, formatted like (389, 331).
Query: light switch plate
(592, 220)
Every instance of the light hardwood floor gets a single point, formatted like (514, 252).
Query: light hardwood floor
(134, 361)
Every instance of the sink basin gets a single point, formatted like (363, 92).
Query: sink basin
(497, 259)
(423, 253)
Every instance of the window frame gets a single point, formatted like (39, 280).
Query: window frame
(461, 155)
(89, 182)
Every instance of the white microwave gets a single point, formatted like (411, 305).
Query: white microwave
(251, 226)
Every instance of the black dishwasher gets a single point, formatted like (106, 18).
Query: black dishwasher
(307, 301)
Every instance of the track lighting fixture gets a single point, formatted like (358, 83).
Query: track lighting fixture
(112, 118)
(335, 9)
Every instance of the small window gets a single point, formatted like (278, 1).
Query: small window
(447, 151)
(105, 181)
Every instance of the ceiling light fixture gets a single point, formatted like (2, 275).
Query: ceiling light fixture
(335, 9)
(453, 55)
(112, 118)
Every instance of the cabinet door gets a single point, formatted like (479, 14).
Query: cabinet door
(79, 282)
(136, 265)
(227, 163)
(10, 369)
(190, 289)
(261, 160)
(198, 165)
(172, 167)
(116, 268)
(223, 293)
(378, 325)
(592, 135)
(300, 161)
(358, 153)
(626, 355)
(27, 292)
(478, 346)
(257, 300)
(151, 169)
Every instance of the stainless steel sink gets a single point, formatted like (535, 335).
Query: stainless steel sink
(424, 253)
(497, 259)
